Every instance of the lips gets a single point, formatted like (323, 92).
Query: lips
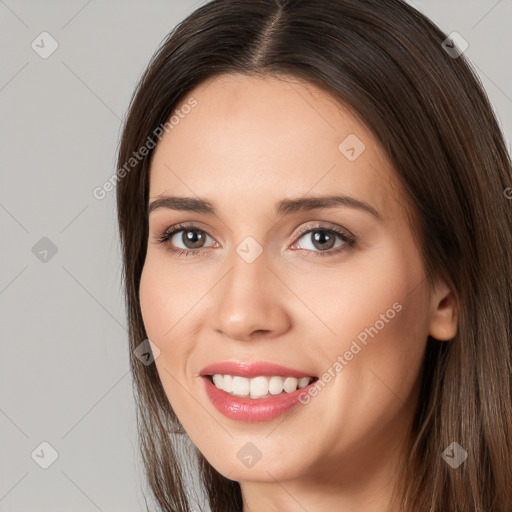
(250, 370)
(249, 409)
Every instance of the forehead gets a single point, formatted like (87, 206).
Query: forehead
(255, 139)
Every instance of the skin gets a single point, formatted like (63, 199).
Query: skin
(249, 143)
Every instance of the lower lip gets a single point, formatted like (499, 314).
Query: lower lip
(251, 410)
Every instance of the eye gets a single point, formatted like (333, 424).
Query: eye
(190, 236)
(322, 240)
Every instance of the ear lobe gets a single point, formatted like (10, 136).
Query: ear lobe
(444, 314)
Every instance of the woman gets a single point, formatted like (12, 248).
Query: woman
(313, 209)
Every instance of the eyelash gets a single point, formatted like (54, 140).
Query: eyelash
(349, 240)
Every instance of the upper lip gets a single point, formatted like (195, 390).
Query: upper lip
(249, 370)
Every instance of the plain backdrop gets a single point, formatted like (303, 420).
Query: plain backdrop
(64, 371)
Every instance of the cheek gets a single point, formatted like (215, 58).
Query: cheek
(171, 307)
(381, 294)
(377, 313)
(153, 303)
(166, 298)
(161, 312)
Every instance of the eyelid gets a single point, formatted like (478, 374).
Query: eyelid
(326, 226)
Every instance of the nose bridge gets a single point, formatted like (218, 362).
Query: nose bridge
(247, 299)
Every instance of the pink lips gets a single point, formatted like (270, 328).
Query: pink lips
(250, 370)
(252, 410)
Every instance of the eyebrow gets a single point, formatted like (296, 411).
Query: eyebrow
(283, 207)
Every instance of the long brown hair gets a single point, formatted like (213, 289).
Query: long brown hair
(428, 109)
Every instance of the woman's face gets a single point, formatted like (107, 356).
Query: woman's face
(267, 278)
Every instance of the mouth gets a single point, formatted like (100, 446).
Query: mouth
(258, 398)
(254, 391)
(260, 387)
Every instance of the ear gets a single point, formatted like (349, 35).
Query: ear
(444, 314)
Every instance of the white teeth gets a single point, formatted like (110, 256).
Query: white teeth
(275, 385)
(258, 387)
(303, 382)
(217, 380)
(227, 383)
(240, 386)
(290, 384)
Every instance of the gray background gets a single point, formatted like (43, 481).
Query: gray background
(64, 361)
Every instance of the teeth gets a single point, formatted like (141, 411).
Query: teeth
(275, 385)
(240, 386)
(258, 387)
(228, 382)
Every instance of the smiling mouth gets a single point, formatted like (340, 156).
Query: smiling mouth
(258, 387)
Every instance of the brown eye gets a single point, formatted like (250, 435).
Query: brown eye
(183, 238)
(322, 241)
(192, 239)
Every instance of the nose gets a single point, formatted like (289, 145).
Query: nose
(249, 302)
